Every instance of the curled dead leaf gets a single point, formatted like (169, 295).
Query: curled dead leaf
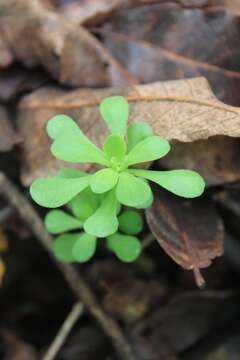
(183, 110)
(189, 231)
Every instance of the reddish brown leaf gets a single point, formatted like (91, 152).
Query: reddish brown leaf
(164, 42)
(190, 231)
(183, 110)
(8, 137)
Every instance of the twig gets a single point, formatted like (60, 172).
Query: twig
(147, 240)
(62, 334)
(76, 282)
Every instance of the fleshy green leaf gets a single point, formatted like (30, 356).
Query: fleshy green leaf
(126, 248)
(115, 147)
(130, 222)
(104, 221)
(84, 248)
(146, 204)
(61, 125)
(149, 149)
(63, 247)
(136, 132)
(74, 149)
(185, 183)
(84, 204)
(114, 111)
(69, 173)
(53, 192)
(58, 221)
(132, 191)
(103, 180)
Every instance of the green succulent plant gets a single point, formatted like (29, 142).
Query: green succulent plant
(95, 199)
(80, 246)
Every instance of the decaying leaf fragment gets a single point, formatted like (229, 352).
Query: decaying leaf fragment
(183, 110)
(189, 231)
(38, 35)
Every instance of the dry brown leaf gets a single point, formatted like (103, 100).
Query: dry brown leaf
(36, 34)
(231, 5)
(189, 231)
(168, 42)
(183, 110)
(8, 137)
(95, 12)
(6, 57)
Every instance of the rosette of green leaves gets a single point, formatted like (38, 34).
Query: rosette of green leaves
(78, 246)
(118, 182)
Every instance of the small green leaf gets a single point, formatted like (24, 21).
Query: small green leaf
(185, 183)
(53, 192)
(146, 204)
(84, 204)
(136, 132)
(69, 173)
(130, 222)
(132, 191)
(84, 248)
(58, 221)
(63, 247)
(73, 149)
(149, 149)
(115, 147)
(103, 180)
(61, 125)
(126, 248)
(104, 221)
(114, 111)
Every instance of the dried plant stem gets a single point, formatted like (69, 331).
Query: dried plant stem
(76, 281)
(62, 334)
(147, 240)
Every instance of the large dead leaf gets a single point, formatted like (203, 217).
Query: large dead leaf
(36, 34)
(184, 110)
(190, 231)
(168, 42)
(8, 137)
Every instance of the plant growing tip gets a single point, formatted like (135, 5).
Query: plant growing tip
(95, 200)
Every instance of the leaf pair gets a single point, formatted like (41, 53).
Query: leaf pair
(70, 144)
(127, 248)
(184, 183)
(54, 192)
(78, 247)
